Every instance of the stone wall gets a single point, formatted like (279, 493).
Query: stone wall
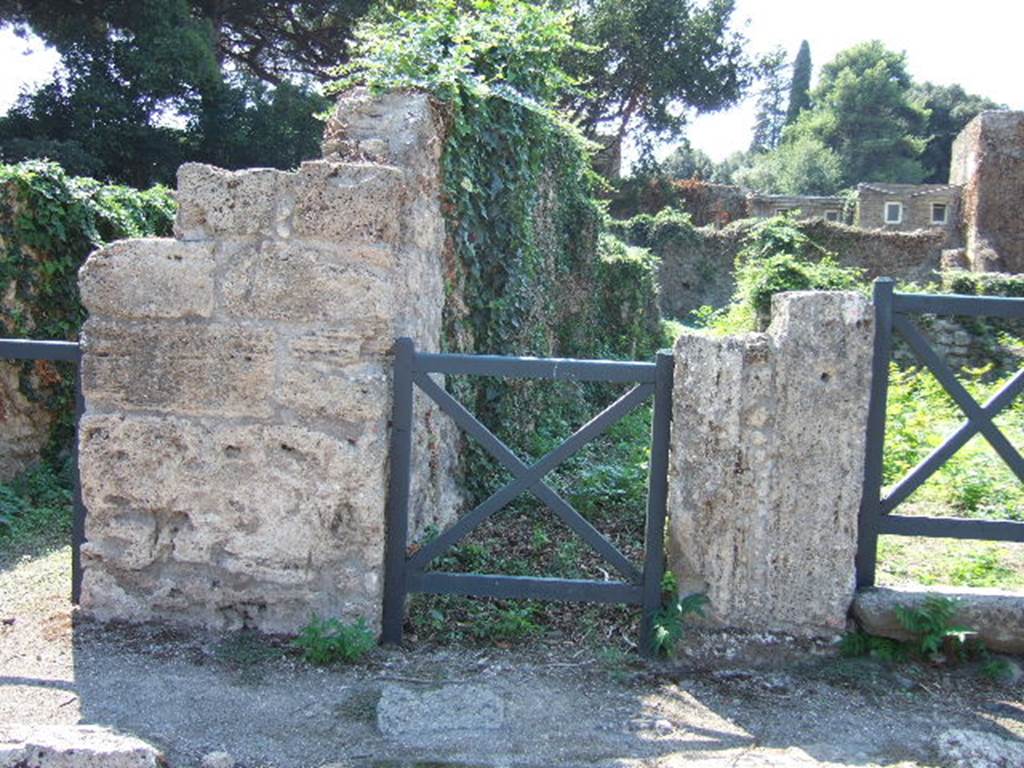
(988, 160)
(236, 377)
(766, 465)
(699, 270)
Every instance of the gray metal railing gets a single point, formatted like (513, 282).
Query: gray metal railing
(893, 313)
(60, 351)
(407, 572)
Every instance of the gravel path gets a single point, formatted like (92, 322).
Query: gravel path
(192, 694)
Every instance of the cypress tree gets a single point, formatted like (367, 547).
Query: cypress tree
(800, 87)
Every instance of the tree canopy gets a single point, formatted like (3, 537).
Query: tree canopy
(145, 86)
(650, 62)
(949, 109)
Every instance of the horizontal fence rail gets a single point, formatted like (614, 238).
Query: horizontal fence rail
(894, 314)
(406, 572)
(69, 352)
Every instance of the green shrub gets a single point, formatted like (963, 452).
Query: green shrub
(49, 223)
(931, 625)
(35, 506)
(777, 256)
(330, 641)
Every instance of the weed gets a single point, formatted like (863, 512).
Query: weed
(997, 670)
(669, 621)
(935, 637)
(505, 624)
(860, 643)
(330, 641)
(35, 508)
(931, 624)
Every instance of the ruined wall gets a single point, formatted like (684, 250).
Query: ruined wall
(236, 377)
(766, 464)
(988, 160)
(699, 270)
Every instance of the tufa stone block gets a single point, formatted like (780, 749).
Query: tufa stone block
(189, 368)
(149, 278)
(767, 461)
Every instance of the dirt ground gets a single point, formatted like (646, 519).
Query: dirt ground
(722, 705)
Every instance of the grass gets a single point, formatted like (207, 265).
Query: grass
(974, 483)
(35, 511)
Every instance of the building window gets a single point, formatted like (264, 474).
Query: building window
(831, 215)
(894, 213)
(939, 213)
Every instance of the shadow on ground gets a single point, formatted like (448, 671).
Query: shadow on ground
(192, 694)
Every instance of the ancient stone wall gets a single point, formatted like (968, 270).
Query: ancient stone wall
(766, 465)
(988, 161)
(234, 448)
(699, 270)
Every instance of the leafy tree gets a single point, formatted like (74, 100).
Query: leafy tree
(688, 162)
(273, 40)
(726, 170)
(800, 85)
(651, 61)
(949, 109)
(771, 117)
(145, 86)
(801, 166)
(862, 109)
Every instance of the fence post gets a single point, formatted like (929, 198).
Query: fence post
(657, 495)
(397, 517)
(78, 506)
(870, 503)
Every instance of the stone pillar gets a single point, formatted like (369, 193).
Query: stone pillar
(236, 377)
(767, 459)
(988, 162)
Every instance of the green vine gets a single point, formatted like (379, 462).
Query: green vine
(528, 276)
(49, 223)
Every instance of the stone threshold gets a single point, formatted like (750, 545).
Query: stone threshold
(996, 615)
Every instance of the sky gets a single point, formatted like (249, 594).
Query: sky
(976, 43)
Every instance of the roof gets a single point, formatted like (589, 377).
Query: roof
(797, 199)
(907, 190)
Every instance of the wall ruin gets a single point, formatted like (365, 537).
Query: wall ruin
(988, 160)
(236, 378)
(699, 270)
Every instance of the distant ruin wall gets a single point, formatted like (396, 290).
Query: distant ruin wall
(988, 160)
(234, 447)
(698, 270)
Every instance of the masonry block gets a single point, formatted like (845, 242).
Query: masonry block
(766, 466)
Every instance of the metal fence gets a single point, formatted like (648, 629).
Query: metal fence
(894, 313)
(406, 573)
(65, 351)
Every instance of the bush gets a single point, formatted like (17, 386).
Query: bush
(777, 256)
(35, 506)
(49, 223)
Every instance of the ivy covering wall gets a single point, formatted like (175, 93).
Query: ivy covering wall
(49, 223)
(532, 271)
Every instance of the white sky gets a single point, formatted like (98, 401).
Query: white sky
(976, 43)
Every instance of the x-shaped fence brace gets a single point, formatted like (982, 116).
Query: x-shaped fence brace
(530, 477)
(893, 313)
(407, 571)
(979, 417)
